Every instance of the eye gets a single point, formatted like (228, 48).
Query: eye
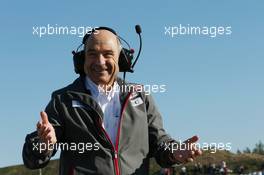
(108, 55)
(91, 54)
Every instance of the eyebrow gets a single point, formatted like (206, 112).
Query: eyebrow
(104, 51)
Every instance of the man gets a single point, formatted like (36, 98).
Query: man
(94, 110)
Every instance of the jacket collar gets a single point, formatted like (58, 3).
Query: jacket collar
(79, 86)
(79, 92)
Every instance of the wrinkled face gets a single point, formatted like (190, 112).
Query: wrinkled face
(101, 57)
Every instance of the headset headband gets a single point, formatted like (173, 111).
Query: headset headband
(87, 35)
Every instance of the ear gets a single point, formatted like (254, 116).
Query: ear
(78, 61)
(125, 60)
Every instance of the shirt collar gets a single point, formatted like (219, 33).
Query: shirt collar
(96, 91)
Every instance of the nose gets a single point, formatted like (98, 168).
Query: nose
(100, 59)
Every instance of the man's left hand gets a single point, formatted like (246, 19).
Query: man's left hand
(189, 153)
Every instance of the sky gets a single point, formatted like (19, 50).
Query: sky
(214, 85)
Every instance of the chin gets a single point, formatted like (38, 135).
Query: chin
(102, 80)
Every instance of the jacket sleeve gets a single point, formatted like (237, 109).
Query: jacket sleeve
(158, 138)
(32, 157)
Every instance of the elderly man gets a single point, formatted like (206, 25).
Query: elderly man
(117, 136)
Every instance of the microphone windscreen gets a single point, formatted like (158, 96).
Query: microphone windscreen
(138, 29)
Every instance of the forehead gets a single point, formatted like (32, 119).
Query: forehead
(103, 39)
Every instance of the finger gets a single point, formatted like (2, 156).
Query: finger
(51, 138)
(41, 130)
(192, 139)
(48, 137)
(44, 117)
(198, 152)
(190, 160)
(39, 124)
(46, 132)
(192, 153)
(194, 147)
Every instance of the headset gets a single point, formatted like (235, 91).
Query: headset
(125, 58)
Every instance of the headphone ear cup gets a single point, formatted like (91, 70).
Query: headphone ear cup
(78, 61)
(125, 60)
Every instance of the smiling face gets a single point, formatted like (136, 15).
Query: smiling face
(101, 57)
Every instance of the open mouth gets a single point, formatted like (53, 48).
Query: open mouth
(99, 70)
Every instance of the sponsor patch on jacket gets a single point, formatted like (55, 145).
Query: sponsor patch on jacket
(133, 95)
(137, 101)
(77, 104)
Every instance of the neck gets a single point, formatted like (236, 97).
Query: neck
(106, 87)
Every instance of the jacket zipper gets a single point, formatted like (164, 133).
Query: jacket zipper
(115, 148)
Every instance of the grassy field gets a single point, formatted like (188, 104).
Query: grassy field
(251, 162)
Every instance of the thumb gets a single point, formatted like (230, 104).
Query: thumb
(44, 117)
(193, 139)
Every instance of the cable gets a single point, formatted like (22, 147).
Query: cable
(140, 47)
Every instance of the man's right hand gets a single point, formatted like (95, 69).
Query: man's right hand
(45, 130)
